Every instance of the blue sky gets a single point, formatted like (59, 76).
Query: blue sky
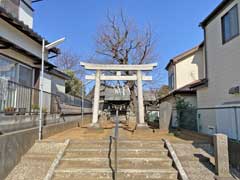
(174, 23)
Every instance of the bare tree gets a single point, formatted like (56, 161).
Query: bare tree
(70, 64)
(69, 61)
(121, 42)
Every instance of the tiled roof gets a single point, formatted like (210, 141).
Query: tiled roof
(215, 12)
(24, 28)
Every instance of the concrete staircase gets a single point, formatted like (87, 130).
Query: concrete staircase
(35, 164)
(196, 160)
(91, 160)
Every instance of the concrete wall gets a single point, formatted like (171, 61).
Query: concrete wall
(192, 99)
(14, 145)
(19, 122)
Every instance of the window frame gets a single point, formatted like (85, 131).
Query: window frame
(18, 64)
(27, 67)
(171, 78)
(15, 64)
(222, 25)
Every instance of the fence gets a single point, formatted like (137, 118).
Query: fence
(211, 120)
(73, 100)
(20, 99)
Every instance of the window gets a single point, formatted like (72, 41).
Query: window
(171, 81)
(8, 69)
(25, 76)
(13, 71)
(230, 25)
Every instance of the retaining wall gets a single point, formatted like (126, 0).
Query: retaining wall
(14, 145)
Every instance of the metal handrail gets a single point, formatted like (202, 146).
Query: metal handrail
(116, 134)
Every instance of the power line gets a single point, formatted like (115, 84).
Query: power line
(34, 1)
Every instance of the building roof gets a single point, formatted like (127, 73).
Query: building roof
(24, 28)
(215, 12)
(59, 73)
(179, 57)
(183, 90)
(199, 83)
(110, 93)
(116, 94)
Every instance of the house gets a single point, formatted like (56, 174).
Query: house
(20, 60)
(184, 71)
(222, 61)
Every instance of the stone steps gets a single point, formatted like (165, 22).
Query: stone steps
(124, 144)
(121, 153)
(123, 163)
(137, 160)
(193, 158)
(123, 174)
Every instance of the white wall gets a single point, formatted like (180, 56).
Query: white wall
(189, 69)
(47, 82)
(26, 14)
(186, 71)
(223, 64)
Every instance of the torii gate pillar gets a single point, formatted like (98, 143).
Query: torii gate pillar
(140, 98)
(139, 77)
(96, 98)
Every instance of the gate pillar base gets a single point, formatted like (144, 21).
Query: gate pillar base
(95, 128)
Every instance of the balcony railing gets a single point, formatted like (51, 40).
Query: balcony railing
(19, 99)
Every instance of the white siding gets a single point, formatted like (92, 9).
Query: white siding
(223, 64)
(186, 71)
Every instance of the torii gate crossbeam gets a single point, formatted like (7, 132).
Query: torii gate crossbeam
(139, 77)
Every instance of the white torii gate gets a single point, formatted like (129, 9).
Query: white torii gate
(139, 77)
